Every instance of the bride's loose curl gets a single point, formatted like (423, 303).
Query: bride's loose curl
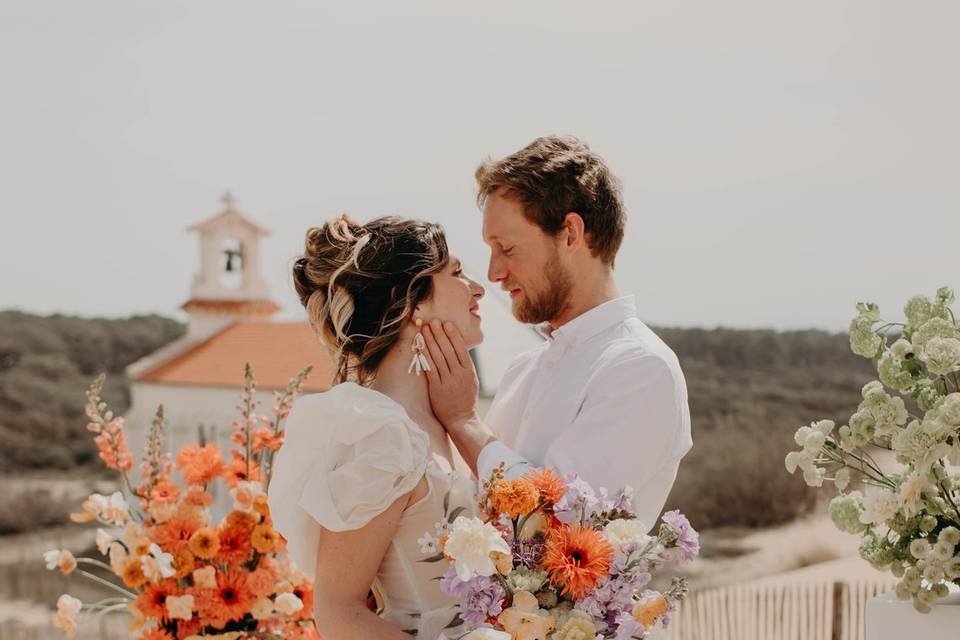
(360, 282)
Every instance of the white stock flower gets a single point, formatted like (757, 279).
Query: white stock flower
(470, 544)
(941, 355)
(879, 505)
(288, 603)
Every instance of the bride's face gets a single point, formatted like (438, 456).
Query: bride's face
(456, 299)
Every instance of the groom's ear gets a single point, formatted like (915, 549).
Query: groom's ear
(573, 231)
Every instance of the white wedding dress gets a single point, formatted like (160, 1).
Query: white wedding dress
(348, 454)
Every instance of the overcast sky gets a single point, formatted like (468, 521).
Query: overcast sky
(781, 160)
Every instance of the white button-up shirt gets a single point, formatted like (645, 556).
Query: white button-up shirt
(603, 397)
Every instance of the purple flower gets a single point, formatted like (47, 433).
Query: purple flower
(527, 553)
(480, 597)
(688, 539)
(613, 595)
(482, 601)
(628, 628)
(579, 503)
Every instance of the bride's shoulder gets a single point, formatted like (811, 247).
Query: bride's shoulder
(346, 410)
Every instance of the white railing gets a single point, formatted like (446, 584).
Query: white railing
(771, 609)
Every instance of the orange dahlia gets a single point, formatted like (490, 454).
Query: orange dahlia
(550, 485)
(515, 497)
(205, 543)
(576, 559)
(243, 520)
(200, 465)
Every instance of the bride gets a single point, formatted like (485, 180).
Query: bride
(366, 469)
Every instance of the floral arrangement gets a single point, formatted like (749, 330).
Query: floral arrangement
(550, 558)
(909, 518)
(178, 574)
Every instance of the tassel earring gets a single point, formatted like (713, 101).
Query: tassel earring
(419, 362)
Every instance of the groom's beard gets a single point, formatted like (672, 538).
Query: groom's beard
(547, 304)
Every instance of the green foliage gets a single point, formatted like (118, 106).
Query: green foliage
(749, 391)
(46, 364)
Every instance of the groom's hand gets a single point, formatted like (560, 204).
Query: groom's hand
(452, 379)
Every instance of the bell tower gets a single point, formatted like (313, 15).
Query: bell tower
(228, 287)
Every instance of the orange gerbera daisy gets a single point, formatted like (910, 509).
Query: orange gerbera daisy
(205, 543)
(515, 497)
(235, 546)
(165, 492)
(231, 600)
(152, 602)
(576, 559)
(264, 539)
(550, 485)
(132, 573)
(200, 465)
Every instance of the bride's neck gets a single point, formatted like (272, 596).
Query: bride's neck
(408, 389)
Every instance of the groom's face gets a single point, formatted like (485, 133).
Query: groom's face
(525, 261)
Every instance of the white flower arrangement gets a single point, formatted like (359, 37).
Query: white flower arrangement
(909, 520)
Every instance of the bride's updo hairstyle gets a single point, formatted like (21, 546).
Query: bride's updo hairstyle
(360, 283)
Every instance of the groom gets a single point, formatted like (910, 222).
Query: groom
(602, 396)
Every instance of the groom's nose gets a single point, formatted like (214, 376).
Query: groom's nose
(495, 271)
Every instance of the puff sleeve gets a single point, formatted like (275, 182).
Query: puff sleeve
(362, 470)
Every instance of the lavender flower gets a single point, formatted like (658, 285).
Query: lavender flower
(688, 540)
(628, 628)
(480, 597)
(578, 504)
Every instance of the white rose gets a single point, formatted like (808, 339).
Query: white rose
(470, 544)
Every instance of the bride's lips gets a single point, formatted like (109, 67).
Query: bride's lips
(475, 310)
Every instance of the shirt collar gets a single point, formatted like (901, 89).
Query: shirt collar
(591, 322)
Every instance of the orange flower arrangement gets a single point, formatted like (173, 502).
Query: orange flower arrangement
(180, 573)
(649, 609)
(515, 497)
(576, 557)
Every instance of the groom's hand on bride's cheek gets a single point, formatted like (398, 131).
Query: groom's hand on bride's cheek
(452, 379)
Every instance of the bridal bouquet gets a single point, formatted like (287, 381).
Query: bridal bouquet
(908, 518)
(552, 559)
(179, 574)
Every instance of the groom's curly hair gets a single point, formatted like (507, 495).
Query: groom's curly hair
(557, 175)
(360, 282)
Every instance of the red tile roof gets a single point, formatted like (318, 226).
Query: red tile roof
(240, 307)
(277, 351)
